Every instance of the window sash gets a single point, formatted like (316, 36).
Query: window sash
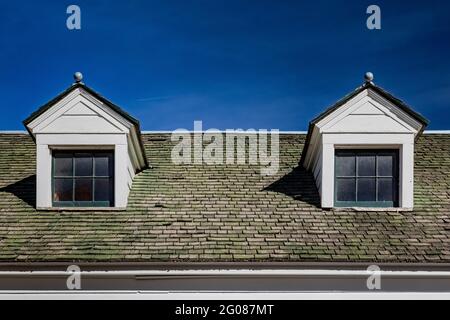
(356, 177)
(93, 177)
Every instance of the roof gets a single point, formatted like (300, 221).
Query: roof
(367, 85)
(219, 213)
(96, 95)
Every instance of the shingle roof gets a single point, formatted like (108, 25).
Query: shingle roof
(224, 213)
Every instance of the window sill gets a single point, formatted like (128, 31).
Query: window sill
(81, 209)
(388, 209)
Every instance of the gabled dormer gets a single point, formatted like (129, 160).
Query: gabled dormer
(361, 150)
(88, 150)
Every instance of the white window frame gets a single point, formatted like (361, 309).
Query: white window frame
(402, 142)
(45, 143)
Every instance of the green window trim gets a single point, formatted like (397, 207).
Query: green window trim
(368, 152)
(74, 154)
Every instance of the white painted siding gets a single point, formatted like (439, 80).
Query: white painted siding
(317, 171)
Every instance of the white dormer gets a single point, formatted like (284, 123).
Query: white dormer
(88, 150)
(361, 150)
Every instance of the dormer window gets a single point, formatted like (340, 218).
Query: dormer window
(88, 150)
(366, 178)
(83, 179)
(361, 150)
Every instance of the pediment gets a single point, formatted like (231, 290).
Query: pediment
(368, 112)
(79, 112)
(368, 108)
(80, 109)
(79, 116)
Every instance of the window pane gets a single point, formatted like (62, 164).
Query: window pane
(345, 165)
(63, 189)
(103, 165)
(385, 189)
(385, 165)
(366, 189)
(83, 189)
(83, 164)
(63, 164)
(366, 165)
(346, 190)
(103, 189)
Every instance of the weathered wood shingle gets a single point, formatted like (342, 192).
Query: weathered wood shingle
(224, 213)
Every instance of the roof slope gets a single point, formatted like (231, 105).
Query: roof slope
(224, 213)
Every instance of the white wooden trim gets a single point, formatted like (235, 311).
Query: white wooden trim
(224, 280)
(231, 272)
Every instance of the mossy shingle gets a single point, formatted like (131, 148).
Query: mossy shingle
(224, 213)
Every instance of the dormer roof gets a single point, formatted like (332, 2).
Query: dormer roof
(115, 111)
(375, 90)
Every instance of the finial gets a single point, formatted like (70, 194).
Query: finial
(78, 76)
(368, 77)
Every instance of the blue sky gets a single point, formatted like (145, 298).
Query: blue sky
(232, 63)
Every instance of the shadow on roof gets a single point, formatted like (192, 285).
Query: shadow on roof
(298, 184)
(24, 189)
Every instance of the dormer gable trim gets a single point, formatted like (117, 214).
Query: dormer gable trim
(370, 104)
(397, 106)
(108, 110)
(79, 105)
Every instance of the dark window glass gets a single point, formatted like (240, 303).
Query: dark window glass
(83, 179)
(346, 189)
(63, 189)
(385, 165)
(63, 165)
(366, 177)
(366, 189)
(366, 165)
(102, 165)
(385, 189)
(345, 166)
(83, 189)
(102, 188)
(83, 165)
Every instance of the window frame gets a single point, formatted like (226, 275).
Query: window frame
(73, 177)
(395, 178)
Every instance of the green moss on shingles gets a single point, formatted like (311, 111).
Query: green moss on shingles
(224, 213)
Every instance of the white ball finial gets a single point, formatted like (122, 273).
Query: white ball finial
(78, 76)
(368, 77)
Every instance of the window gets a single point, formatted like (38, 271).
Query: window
(366, 178)
(83, 179)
